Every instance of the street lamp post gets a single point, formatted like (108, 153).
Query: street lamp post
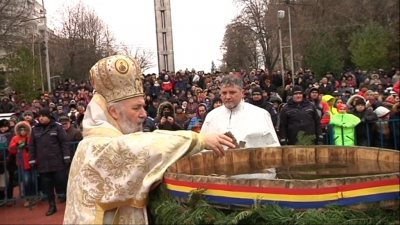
(290, 38)
(33, 48)
(46, 43)
(281, 15)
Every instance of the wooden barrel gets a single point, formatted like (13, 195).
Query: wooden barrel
(344, 175)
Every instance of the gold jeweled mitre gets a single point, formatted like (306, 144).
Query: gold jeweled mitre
(117, 78)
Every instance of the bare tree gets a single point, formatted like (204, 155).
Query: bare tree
(254, 14)
(239, 47)
(339, 19)
(144, 56)
(13, 14)
(84, 39)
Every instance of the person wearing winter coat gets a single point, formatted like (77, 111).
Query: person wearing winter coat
(6, 106)
(7, 159)
(263, 103)
(19, 146)
(166, 118)
(381, 129)
(297, 115)
(49, 152)
(343, 126)
(367, 116)
(330, 100)
(396, 87)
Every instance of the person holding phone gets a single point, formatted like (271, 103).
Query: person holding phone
(165, 118)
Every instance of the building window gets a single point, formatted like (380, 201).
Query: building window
(163, 24)
(164, 40)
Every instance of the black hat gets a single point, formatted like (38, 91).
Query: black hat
(314, 89)
(257, 91)
(297, 89)
(4, 123)
(216, 99)
(45, 112)
(336, 93)
(360, 101)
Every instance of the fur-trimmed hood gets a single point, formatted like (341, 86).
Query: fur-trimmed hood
(349, 102)
(163, 105)
(374, 76)
(24, 124)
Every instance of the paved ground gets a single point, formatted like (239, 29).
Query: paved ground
(18, 214)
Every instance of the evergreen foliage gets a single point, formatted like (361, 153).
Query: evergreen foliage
(165, 209)
(304, 139)
(213, 67)
(369, 47)
(24, 73)
(324, 54)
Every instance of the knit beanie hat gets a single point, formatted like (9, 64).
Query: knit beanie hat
(381, 111)
(28, 112)
(257, 91)
(45, 112)
(297, 89)
(360, 101)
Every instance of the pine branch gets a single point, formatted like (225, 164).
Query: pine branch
(165, 209)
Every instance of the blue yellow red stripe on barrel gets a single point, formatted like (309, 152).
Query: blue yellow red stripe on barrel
(349, 194)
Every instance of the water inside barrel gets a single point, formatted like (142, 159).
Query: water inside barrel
(305, 171)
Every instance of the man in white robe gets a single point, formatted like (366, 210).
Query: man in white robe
(247, 123)
(115, 165)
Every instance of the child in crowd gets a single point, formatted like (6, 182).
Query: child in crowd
(343, 126)
(18, 146)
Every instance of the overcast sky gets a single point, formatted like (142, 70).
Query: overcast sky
(198, 26)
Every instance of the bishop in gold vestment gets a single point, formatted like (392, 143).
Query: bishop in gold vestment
(112, 173)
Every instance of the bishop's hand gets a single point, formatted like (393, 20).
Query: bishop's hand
(215, 141)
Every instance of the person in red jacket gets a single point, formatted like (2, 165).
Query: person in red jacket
(18, 145)
(396, 87)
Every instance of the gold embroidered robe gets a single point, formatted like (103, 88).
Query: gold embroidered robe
(112, 174)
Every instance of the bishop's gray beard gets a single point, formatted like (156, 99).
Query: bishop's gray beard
(127, 125)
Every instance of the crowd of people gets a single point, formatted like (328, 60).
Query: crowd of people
(182, 101)
(349, 107)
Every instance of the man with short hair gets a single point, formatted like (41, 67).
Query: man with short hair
(49, 152)
(116, 165)
(247, 123)
(297, 115)
(59, 112)
(73, 134)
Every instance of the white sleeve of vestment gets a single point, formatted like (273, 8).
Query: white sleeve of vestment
(271, 128)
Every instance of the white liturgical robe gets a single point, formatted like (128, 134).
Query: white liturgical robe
(246, 122)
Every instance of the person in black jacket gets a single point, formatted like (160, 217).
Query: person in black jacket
(297, 115)
(165, 119)
(49, 152)
(367, 116)
(258, 100)
(152, 110)
(149, 125)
